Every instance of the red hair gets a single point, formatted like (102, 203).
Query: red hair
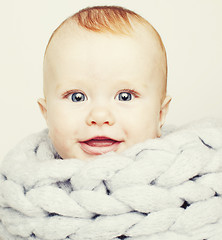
(103, 19)
(107, 19)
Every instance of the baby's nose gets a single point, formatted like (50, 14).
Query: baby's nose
(100, 116)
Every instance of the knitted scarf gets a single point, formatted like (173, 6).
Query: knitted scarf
(162, 189)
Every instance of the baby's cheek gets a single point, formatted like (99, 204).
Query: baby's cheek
(56, 134)
(60, 144)
(145, 129)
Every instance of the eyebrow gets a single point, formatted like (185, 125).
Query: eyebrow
(69, 84)
(121, 84)
(131, 84)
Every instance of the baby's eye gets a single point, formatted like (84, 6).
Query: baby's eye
(77, 97)
(125, 96)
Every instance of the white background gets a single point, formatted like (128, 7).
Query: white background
(191, 31)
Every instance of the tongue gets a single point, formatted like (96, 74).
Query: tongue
(100, 142)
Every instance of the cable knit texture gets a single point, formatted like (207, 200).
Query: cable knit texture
(162, 189)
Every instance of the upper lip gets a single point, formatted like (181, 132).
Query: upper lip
(100, 138)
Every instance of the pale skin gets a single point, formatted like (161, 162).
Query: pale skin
(102, 92)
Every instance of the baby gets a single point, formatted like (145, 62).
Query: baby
(105, 75)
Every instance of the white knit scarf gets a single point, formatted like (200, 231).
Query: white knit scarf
(163, 189)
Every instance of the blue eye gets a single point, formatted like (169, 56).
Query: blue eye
(125, 96)
(78, 97)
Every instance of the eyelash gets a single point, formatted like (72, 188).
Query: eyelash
(67, 93)
(132, 91)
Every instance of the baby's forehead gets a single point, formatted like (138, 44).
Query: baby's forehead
(79, 44)
(70, 34)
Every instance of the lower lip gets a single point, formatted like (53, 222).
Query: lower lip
(99, 150)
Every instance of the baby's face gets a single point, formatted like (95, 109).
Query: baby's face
(102, 94)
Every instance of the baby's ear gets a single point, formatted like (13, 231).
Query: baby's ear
(43, 107)
(163, 112)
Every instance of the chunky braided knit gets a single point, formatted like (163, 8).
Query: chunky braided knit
(167, 188)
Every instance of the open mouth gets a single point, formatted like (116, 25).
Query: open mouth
(99, 145)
